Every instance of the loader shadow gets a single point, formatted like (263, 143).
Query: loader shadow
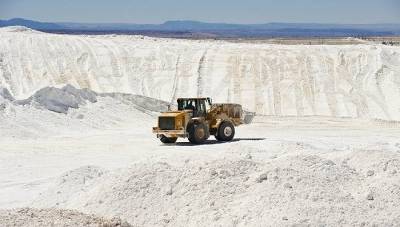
(213, 142)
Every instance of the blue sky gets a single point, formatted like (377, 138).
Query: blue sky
(231, 11)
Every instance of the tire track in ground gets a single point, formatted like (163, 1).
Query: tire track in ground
(114, 76)
(210, 69)
(124, 53)
(266, 88)
(25, 64)
(174, 88)
(157, 82)
(230, 79)
(222, 89)
(380, 101)
(82, 68)
(184, 75)
(5, 73)
(200, 72)
(121, 56)
(67, 66)
(50, 67)
(378, 77)
(330, 85)
(236, 80)
(148, 79)
(276, 92)
(87, 62)
(102, 74)
(309, 83)
(59, 69)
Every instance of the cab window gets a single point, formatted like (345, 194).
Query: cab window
(186, 105)
(201, 110)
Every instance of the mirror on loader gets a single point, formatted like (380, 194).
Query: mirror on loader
(209, 100)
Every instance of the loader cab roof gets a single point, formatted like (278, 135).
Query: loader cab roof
(203, 98)
(207, 99)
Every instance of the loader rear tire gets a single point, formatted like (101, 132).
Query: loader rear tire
(165, 139)
(197, 133)
(226, 131)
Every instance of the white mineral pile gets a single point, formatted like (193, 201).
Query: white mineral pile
(301, 189)
(68, 110)
(341, 81)
(29, 217)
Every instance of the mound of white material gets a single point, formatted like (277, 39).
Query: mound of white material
(28, 217)
(143, 103)
(74, 183)
(346, 81)
(290, 190)
(85, 110)
(5, 94)
(60, 100)
(26, 121)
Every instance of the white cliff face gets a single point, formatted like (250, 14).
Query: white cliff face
(361, 81)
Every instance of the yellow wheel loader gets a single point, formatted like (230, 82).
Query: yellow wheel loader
(197, 119)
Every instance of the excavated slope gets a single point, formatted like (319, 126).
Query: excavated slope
(361, 81)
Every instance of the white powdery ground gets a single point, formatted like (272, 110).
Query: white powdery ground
(279, 171)
(340, 81)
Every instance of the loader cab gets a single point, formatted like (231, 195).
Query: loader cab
(199, 106)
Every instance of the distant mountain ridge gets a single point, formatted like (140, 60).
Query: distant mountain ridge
(217, 29)
(30, 24)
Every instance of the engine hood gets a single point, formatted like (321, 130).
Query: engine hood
(172, 113)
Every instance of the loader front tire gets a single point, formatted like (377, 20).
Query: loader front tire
(197, 133)
(165, 139)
